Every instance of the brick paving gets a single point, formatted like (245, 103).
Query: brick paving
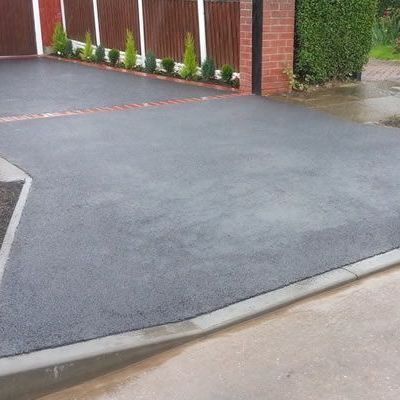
(381, 70)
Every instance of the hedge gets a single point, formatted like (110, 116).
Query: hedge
(333, 38)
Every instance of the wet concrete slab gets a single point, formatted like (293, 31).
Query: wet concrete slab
(365, 102)
(341, 345)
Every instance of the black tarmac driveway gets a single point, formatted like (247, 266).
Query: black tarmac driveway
(143, 217)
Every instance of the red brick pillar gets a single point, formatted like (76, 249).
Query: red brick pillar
(50, 14)
(278, 45)
(246, 25)
(277, 48)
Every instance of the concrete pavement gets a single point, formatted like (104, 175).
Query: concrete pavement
(341, 345)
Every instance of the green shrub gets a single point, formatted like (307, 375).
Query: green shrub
(386, 29)
(208, 69)
(59, 40)
(130, 51)
(69, 49)
(150, 63)
(333, 38)
(384, 5)
(397, 45)
(168, 64)
(113, 56)
(235, 83)
(78, 52)
(99, 54)
(226, 73)
(189, 68)
(87, 54)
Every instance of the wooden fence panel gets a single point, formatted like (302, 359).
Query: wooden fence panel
(79, 19)
(115, 17)
(50, 14)
(17, 28)
(166, 23)
(223, 31)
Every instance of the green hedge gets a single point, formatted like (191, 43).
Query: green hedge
(333, 38)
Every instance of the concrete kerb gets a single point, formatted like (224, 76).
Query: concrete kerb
(31, 375)
(11, 173)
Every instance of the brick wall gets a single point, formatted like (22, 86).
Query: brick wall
(246, 45)
(277, 45)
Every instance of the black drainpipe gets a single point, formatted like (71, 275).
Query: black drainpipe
(257, 35)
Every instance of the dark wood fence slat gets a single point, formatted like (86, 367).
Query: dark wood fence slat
(115, 17)
(166, 23)
(79, 19)
(17, 28)
(223, 30)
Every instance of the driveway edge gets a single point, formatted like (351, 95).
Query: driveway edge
(11, 173)
(31, 375)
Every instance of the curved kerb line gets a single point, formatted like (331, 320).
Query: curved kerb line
(118, 107)
(13, 225)
(31, 375)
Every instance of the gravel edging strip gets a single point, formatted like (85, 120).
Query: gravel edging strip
(31, 375)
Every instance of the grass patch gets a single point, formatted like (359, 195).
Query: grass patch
(384, 52)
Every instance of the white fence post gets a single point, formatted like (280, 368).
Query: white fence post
(64, 21)
(96, 22)
(38, 26)
(202, 30)
(141, 30)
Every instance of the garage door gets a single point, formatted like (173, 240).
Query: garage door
(17, 28)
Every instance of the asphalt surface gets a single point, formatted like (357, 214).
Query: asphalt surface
(143, 217)
(46, 85)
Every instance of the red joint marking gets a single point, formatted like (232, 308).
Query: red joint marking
(120, 107)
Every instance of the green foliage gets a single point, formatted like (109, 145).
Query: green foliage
(113, 56)
(150, 63)
(208, 69)
(78, 52)
(385, 5)
(189, 68)
(130, 51)
(87, 54)
(69, 49)
(226, 73)
(235, 83)
(59, 40)
(397, 45)
(168, 64)
(386, 29)
(294, 83)
(99, 54)
(333, 38)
